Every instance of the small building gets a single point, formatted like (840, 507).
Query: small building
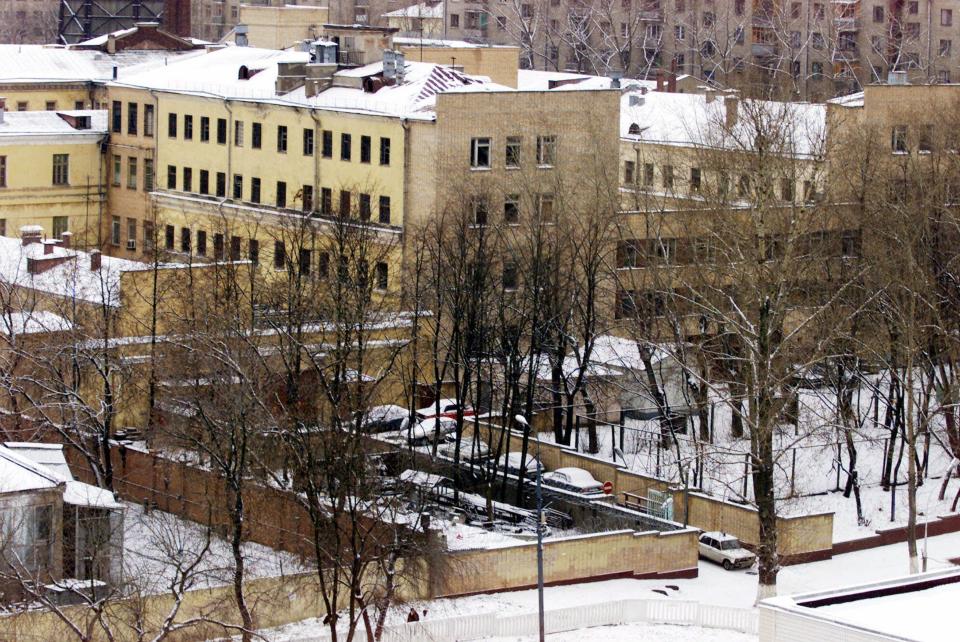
(54, 530)
(918, 607)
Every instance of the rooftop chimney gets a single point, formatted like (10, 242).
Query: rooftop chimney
(48, 248)
(389, 64)
(30, 234)
(240, 35)
(95, 261)
(66, 239)
(732, 106)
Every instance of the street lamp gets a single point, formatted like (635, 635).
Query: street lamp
(520, 419)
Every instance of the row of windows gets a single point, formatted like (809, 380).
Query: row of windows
(61, 170)
(133, 171)
(480, 209)
(133, 118)
(696, 181)
(283, 138)
(284, 197)
(60, 224)
(481, 152)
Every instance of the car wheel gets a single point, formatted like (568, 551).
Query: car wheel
(727, 565)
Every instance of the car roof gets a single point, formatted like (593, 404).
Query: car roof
(719, 535)
(578, 475)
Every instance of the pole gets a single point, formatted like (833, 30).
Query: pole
(540, 544)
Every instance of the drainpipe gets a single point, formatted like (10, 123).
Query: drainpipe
(317, 142)
(230, 133)
(405, 124)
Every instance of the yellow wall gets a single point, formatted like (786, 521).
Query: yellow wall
(500, 64)
(37, 95)
(30, 198)
(282, 27)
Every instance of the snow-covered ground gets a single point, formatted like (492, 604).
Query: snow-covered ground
(714, 586)
(155, 543)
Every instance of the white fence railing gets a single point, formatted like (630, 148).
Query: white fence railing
(486, 625)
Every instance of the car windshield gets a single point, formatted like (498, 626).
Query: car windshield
(729, 545)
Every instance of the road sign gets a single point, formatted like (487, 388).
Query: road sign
(607, 487)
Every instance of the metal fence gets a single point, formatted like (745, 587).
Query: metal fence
(486, 625)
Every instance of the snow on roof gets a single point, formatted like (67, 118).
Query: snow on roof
(533, 80)
(48, 462)
(32, 322)
(49, 456)
(19, 473)
(45, 123)
(578, 476)
(690, 120)
(71, 278)
(102, 40)
(422, 10)
(850, 100)
(616, 352)
(44, 63)
(414, 41)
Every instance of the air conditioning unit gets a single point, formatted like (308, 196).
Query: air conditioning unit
(131, 244)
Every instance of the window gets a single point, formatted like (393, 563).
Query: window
(238, 133)
(327, 144)
(629, 172)
(850, 243)
(738, 7)
(546, 206)
(501, 23)
(346, 142)
(221, 185)
(148, 231)
(809, 192)
(307, 198)
(513, 151)
(818, 11)
(235, 248)
(115, 230)
(913, 8)
(510, 275)
(282, 139)
(204, 129)
(946, 17)
(925, 139)
(61, 169)
(253, 251)
(185, 240)
(218, 246)
(22, 106)
(743, 186)
(648, 174)
(238, 187)
(132, 118)
(131, 172)
(257, 136)
(188, 127)
(221, 131)
(695, 179)
(480, 211)
(279, 255)
(878, 13)
(364, 149)
(281, 194)
(384, 151)
(308, 142)
(786, 190)
(679, 32)
(708, 19)
(305, 259)
(455, 20)
(667, 173)
(817, 41)
(117, 165)
(344, 202)
(546, 151)
(60, 224)
(382, 276)
(148, 174)
(898, 139)
(171, 125)
(326, 200)
(816, 70)
(945, 47)
(148, 121)
(168, 235)
(364, 207)
(171, 176)
(201, 243)
(3, 171)
(511, 210)
(384, 214)
(480, 153)
(204, 181)
(116, 116)
(187, 179)
(254, 190)
(943, 76)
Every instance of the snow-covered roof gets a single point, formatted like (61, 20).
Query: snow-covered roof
(422, 10)
(32, 322)
(691, 120)
(50, 123)
(850, 100)
(47, 465)
(18, 473)
(534, 80)
(413, 41)
(45, 63)
(49, 456)
(102, 40)
(71, 278)
(217, 74)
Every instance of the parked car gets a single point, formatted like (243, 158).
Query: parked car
(469, 450)
(725, 550)
(575, 480)
(511, 463)
(423, 432)
(448, 408)
(387, 418)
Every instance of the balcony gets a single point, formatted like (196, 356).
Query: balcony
(847, 24)
(847, 54)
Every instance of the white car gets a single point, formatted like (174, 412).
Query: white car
(387, 418)
(575, 480)
(448, 408)
(725, 550)
(469, 450)
(424, 432)
(511, 463)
